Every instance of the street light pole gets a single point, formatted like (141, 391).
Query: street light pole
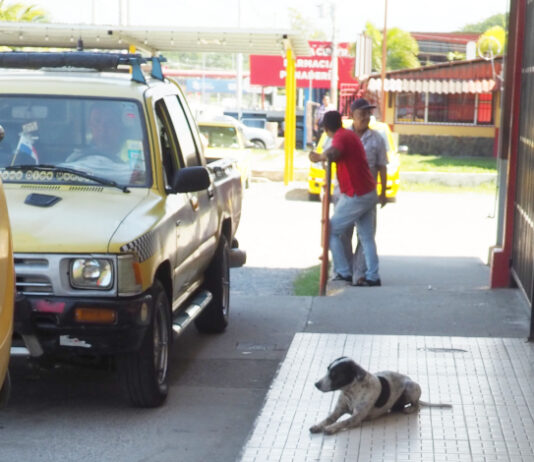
(384, 60)
(334, 79)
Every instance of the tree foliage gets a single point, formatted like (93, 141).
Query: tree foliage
(402, 49)
(492, 42)
(21, 12)
(482, 26)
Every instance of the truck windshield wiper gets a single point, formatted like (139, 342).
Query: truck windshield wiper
(80, 173)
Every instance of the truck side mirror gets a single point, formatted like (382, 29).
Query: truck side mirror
(2, 133)
(190, 179)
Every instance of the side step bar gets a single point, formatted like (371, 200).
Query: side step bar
(237, 257)
(184, 317)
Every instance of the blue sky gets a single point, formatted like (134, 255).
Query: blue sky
(410, 15)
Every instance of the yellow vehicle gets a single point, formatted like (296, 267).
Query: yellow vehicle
(7, 295)
(317, 173)
(123, 233)
(225, 140)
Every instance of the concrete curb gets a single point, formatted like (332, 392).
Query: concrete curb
(449, 179)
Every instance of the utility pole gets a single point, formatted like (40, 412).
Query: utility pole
(384, 60)
(239, 70)
(334, 80)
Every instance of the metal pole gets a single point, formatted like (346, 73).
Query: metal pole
(334, 80)
(325, 229)
(289, 132)
(384, 60)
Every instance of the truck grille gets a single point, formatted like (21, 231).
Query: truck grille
(31, 276)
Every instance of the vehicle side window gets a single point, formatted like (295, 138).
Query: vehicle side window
(186, 141)
(169, 147)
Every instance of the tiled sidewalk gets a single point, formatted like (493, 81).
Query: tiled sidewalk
(489, 382)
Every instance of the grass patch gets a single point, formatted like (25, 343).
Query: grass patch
(484, 188)
(307, 282)
(424, 163)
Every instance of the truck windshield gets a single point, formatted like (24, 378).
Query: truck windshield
(104, 138)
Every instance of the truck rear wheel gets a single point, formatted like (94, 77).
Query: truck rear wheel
(143, 373)
(214, 318)
(5, 391)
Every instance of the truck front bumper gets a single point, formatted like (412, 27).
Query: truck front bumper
(53, 326)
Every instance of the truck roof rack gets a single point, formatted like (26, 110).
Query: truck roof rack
(82, 60)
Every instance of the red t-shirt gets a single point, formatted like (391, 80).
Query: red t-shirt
(353, 173)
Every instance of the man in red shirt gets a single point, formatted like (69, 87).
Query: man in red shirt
(356, 203)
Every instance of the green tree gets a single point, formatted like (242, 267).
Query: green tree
(482, 26)
(376, 38)
(492, 42)
(21, 13)
(402, 49)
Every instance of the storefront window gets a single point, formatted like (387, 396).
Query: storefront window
(450, 108)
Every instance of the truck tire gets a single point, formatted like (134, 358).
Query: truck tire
(214, 318)
(5, 391)
(143, 373)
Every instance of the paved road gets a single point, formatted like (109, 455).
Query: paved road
(432, 250)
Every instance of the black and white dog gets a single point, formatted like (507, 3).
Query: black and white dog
(366, 396)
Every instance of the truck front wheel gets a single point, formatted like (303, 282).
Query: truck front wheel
(143, 373)
(214, 318)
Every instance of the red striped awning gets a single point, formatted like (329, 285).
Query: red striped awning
(432, 85)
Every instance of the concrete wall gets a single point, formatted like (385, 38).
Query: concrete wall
(448, 145)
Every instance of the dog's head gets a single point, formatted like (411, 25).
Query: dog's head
(341, 372)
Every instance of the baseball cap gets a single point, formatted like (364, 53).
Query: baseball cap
(360, 103)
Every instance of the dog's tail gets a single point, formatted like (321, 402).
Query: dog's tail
(442, 405)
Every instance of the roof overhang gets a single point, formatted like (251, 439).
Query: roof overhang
(467, 76)
(432, 85)
(153, 39)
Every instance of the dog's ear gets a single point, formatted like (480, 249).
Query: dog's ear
(359, 372)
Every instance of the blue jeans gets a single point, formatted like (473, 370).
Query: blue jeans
(359, 210)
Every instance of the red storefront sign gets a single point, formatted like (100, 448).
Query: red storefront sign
(311, 71)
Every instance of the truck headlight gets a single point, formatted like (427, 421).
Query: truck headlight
(91, 273)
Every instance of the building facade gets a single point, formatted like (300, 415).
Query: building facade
(445, 109)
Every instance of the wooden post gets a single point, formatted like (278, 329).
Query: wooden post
(325, 229)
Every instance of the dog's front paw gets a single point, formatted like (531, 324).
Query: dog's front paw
(330, 430)
(316, 429)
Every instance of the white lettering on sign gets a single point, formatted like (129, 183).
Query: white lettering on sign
(309, 75)
(325, 48)
(313, 63)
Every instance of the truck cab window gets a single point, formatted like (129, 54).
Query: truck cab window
(169, 147)
(186, 141)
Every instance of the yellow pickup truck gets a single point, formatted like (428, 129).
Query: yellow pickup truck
(7, 295)
(317, 173)
(123, 234)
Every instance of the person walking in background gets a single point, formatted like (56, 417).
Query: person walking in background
(376, 153)
(357, 200)
(319, 114)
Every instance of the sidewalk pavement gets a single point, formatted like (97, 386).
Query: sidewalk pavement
(464, 343)
(435, 319)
